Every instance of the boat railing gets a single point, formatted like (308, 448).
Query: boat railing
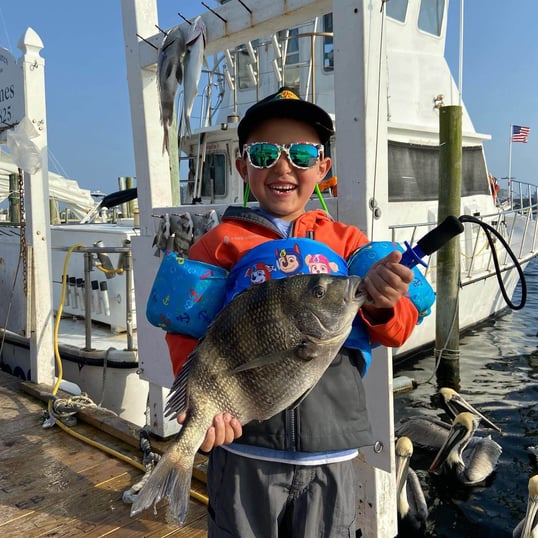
(125, 265)
(515, 220)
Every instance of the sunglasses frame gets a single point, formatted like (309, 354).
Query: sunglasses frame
(286, 149)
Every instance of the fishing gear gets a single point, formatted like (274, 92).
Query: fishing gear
(453, 226)
(431, 242)
(489, 230)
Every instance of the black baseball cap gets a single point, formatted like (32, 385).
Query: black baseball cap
(285, 104)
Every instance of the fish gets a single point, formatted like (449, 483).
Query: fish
(170, 76)
(411, 501)
(528, 526)
(471, 460)
(192, 63)
(264, 352)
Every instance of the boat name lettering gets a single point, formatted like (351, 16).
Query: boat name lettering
(5, 114)
(8, 92)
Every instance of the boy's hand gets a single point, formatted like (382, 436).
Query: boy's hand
(386, 281)
(225, 430)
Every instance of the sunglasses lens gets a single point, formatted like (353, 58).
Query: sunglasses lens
(263, 155)
(304, 155)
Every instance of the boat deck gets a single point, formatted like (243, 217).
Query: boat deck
(52, 484)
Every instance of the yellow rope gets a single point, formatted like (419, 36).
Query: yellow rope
(194, 494)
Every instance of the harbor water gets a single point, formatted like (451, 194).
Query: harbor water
(499, 376)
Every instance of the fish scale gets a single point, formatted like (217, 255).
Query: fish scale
(265, 350)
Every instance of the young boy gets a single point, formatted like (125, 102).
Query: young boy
(292, 475)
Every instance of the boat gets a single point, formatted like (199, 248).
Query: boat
(395, 194)
(386, 100)
(386, 83)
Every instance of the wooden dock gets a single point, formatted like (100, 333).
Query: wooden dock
(52, 484)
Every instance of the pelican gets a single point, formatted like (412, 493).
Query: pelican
(412, 508)
(426, 433)
(528, 526)
(453, 403)
(472, 459)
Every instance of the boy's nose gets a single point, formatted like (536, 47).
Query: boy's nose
(283, 162)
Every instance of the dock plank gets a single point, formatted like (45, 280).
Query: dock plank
(52, 484)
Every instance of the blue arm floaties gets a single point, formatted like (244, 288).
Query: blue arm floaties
(420, 291)
(186, 295)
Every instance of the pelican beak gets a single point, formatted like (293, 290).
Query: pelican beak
(532, 508)
(457, 405)
(456, 434)
(402, 468)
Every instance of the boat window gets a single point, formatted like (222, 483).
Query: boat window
(213, 178)
(214, 175)
(396, 9)
(328, 45)
(430, 17)
(414, 172)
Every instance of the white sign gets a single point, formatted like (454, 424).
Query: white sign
(11, 91)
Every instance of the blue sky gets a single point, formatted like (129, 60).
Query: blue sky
(89, 124)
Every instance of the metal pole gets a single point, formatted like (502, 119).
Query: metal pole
(14, 199)
(88, 300)
(129, 298)
(448, 258)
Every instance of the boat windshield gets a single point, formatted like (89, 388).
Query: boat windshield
(430, 17)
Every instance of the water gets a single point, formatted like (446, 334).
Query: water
(499, 374)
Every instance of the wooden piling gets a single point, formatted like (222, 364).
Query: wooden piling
(448, 257)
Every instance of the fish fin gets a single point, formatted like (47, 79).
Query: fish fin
(177, 400)
(170, 480)
(258, 362)
(303, 351)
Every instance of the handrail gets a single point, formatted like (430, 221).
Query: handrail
(515, 219)
(127, 267)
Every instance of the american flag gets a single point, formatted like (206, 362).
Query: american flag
(520, 133)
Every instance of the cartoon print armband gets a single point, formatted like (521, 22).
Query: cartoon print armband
(420, 291)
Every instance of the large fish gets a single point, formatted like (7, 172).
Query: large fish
(192, 64)
(170, 76)
(265, 351)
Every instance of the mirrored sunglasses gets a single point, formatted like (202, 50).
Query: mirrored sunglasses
(302, 155)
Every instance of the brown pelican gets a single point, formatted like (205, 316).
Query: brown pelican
(472, 459)
(528, 526)
(426, 433)
(453, 403)
(412, 508)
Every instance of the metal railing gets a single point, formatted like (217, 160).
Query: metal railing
(515, 220)
(125, 266)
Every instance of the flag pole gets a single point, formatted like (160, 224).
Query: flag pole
(510, 165)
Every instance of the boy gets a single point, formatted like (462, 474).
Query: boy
(292, 474)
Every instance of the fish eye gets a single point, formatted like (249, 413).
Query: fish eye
(318, 292)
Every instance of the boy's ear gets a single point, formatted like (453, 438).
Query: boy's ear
(324, 166)
(241, 166)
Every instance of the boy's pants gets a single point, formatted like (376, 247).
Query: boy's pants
(264, 499)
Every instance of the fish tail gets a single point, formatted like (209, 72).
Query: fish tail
(186, 121)
(165, 139)
(170, 479)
